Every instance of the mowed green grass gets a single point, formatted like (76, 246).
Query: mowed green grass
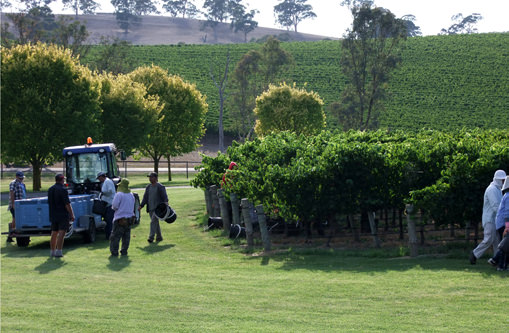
(192, 282)
(136, 179)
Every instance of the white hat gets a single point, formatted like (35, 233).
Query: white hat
(500, 174)
(506, 184)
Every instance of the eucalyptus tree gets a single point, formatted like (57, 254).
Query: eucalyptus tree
(289, 13)
(83, 6)
(463, 25)
(370, 52)
(129, 12)
(183, 7)
(241, 20)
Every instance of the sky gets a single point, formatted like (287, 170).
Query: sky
(332, 19)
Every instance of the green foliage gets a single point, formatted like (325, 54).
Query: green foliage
(190, 282)
(112, 56)
(128, 114)
(371, 52)
(287, 108)
(180, 125)
(211, 172)
(49, 101)
(313, 178)
(290, 13)
(443, 82)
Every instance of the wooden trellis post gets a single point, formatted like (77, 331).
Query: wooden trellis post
(246, 206)
(263, 228)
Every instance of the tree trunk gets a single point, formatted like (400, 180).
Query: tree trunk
(401, 233)
(169, 167)
(220, 125)
(37, 169)
(355, 227)
(156, 165)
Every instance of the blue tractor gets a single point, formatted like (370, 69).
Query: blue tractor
(82, 164)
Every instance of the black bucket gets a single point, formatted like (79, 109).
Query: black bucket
(215, 223)
(237, 231)
(165, 213)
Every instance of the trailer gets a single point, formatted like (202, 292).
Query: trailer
(82, 164)
(32, 219)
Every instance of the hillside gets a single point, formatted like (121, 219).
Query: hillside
(444, 81)
(161, 30)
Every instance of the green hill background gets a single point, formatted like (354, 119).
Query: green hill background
(443, 82)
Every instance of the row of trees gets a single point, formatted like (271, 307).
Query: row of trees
(50, 101)
(323, 177)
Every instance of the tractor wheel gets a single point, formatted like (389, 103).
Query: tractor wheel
(22, 241)
(89, 235)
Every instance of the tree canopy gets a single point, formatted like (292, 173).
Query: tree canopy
(181, 121)
(49, 101)
(288, 108)
(370, 52)
(289, 13)
(463, 25)
(128, 113)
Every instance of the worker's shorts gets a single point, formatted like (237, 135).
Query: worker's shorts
(60, 225)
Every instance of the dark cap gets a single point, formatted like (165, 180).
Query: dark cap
(59, 177)
(100, 174)
(20, 174)
(152, 174)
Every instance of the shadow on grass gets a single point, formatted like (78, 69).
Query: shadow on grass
(155, 247)
(51, 264)
(40, 247)
(118, 263)
(329, 260)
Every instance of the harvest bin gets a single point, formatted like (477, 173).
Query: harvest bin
(32, 218)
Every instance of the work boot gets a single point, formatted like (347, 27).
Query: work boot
(9, 239)
(472, 258)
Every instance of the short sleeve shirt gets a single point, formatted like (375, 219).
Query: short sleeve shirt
(58, 198)
(19, 190)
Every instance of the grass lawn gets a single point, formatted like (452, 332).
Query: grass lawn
(136, 180)
(192, 282)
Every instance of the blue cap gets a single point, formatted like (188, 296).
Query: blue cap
(20, 174)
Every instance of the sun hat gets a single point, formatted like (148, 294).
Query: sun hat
(123, 186)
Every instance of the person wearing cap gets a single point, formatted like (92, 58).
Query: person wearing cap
(492, 198)
(60, 213)
(155, 193)
(107, 194)
(17, 191)
(123, 205)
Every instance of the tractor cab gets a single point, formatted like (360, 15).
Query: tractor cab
(83, 163)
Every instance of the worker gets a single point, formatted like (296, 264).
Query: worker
(60, 214)
(107, 194)
(492, 198)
